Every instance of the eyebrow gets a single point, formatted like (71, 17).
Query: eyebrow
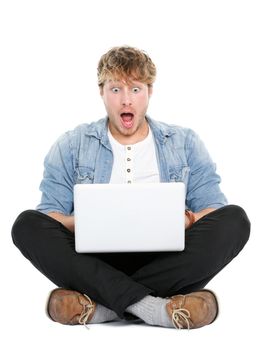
(132, 83)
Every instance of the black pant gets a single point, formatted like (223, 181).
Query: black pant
(117, 280)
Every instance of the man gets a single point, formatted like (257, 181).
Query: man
(163, 289)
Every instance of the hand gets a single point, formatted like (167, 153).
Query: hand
(67, 221)
(196, 216)
(187, 222)
(190, 218)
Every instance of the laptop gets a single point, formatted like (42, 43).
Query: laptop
(141, 217)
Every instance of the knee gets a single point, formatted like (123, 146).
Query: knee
(239, 223)
(22, 226)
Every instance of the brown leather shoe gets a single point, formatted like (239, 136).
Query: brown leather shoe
(70, 307)
(193, 310)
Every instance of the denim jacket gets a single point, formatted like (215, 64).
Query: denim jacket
(84, 155)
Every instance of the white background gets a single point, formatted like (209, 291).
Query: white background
(209, 60)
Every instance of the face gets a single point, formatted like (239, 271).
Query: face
(126, 106)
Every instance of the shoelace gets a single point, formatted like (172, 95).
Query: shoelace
(179, 317)
(87, 311)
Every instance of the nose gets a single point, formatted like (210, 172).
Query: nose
(126, 98)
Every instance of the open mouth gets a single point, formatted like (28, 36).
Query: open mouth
(127, 119)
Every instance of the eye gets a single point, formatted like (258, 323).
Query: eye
(136, 90)
(115, 90)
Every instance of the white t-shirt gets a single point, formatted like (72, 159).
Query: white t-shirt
(134, 163)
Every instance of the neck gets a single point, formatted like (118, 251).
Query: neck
(136, 137)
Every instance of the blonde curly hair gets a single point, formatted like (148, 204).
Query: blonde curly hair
(127, 64)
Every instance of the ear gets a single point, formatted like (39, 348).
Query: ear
(101, 91)
(150, 90)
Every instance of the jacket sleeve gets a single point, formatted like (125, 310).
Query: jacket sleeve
(203, 189)
(58, 179)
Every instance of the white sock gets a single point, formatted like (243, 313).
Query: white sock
(102, 314)
(152, 311)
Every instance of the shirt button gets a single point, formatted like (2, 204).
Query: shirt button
(128, 159)
(129, 182)
(128, 148)
(129, 170)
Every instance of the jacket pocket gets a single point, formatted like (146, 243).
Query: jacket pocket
(84, 175)
(179, 174)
